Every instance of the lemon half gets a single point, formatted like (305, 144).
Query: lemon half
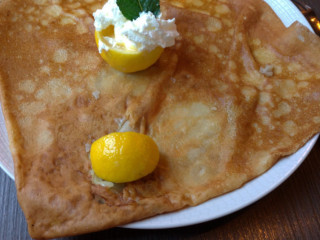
(125, 60)
(124, 156)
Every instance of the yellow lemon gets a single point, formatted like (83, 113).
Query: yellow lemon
(124, 156)
(125, 60)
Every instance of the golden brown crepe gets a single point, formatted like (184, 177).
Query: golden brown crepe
(236, 93)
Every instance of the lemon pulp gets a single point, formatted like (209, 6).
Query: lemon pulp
(124, 156)
(125, 60)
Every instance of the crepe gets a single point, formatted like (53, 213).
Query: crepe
(237, 92)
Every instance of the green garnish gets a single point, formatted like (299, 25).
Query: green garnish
(131, 9)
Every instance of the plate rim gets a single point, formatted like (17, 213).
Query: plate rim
(6, 171)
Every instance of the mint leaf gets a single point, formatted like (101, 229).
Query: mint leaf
(131, 9)
(151, 6)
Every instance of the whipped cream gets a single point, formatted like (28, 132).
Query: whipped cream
(144, 33)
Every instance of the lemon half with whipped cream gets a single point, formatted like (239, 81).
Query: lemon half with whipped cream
(123, 58)
(131, 46)
(124, 156)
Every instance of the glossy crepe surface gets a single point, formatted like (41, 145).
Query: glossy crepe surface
(236, 93)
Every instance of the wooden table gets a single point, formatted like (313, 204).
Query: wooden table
(292, 211)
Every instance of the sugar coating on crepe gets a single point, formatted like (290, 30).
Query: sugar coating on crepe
(236, 93)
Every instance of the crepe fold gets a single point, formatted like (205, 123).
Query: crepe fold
(237, 92)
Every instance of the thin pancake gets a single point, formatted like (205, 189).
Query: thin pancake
(236, 93)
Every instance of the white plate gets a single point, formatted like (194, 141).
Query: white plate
(227, 203)
(6, 162)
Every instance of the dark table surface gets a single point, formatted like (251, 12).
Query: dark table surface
(292, 211)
